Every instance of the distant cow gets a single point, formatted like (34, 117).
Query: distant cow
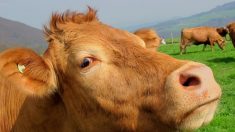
(231, 28)
(95, 78)
(150, 37)
(201, 35)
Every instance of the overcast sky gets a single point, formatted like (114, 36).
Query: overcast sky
(118, 13)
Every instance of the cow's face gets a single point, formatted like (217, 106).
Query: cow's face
(221, 43)
(223, 31)
(104, 73)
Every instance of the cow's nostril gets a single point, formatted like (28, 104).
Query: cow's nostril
(187, 80)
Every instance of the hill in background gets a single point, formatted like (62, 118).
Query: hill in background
(219, 16)
(16, 34)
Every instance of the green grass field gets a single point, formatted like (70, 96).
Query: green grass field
(223, 66)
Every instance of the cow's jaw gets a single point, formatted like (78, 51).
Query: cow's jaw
(200, 116)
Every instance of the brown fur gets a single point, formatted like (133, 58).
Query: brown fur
(150, 37)
(231, 28)
(223, 31)
(201, 35)
(125, 88)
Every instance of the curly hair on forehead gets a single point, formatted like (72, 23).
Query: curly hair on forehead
(68, 16)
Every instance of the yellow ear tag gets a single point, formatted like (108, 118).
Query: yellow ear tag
(21, 68)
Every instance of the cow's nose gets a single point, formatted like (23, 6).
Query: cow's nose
(189, 81)
(194, 78)
(193, 93)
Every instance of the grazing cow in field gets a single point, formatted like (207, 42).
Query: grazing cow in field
(231, 29)
(96, 78)
(150, 37)
(201, 35)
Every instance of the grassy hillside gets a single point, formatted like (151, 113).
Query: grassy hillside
(223, 66)
(15, 34)
(219, 16)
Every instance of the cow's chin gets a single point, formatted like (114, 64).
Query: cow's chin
(198, 117)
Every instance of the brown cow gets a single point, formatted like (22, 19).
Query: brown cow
(201, 35)
(150, 37)
(96, 78)
(231, 28)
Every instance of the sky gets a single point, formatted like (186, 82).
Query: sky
(117, 13)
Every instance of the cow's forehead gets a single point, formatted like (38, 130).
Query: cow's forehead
(99, 36)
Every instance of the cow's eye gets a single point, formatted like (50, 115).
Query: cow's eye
(86, 62)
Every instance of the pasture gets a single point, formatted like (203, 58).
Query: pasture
(223, 66)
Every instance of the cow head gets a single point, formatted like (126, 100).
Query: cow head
(107, 81)
(223, 31)
(221, 43)
(150, 37)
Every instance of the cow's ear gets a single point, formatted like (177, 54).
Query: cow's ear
(25, 70)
